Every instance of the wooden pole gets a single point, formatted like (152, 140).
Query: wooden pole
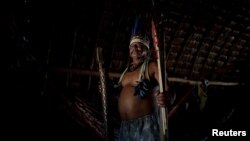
(117, 75)
(163, 110)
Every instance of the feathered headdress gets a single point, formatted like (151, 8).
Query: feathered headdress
(139, 33)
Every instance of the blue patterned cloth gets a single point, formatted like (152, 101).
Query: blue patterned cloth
(142, 129)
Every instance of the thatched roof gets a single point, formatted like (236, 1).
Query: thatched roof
(202, 39)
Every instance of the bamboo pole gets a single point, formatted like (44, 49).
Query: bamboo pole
(117, 75)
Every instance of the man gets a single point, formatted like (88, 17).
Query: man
(139, 94)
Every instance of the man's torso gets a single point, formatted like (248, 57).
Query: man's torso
(130, 105)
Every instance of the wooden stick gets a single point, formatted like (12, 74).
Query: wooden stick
(163, 110)
(117, 75)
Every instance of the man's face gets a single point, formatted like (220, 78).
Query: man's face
(137, 50)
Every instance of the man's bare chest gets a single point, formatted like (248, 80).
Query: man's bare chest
(131, 78)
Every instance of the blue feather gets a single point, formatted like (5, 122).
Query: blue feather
(142, 88)
(136, 27)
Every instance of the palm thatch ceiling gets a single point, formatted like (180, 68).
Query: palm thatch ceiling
(202, 39)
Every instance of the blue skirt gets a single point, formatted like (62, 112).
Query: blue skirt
(141, 129)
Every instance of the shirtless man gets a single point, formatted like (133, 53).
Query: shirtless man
(139, 96)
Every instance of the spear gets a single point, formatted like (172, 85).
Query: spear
(163, 110)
